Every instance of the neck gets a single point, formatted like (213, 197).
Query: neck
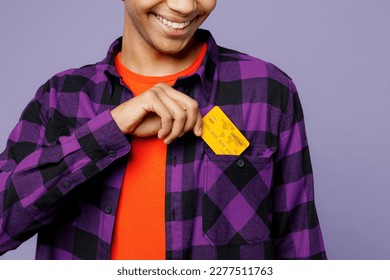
(144, 60)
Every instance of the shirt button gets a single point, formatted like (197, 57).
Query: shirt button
(67, 184)
(241, 163)
(111, 154)
(107, 210)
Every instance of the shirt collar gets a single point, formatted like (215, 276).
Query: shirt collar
(206, 72)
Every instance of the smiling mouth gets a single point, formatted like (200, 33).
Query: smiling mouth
(174, 25)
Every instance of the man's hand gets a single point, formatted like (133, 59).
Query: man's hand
(161, 111)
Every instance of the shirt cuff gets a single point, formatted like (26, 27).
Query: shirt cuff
(102, 141)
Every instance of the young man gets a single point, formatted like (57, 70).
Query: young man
(107, 160)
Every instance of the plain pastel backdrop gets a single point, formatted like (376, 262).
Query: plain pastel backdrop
(337, 52)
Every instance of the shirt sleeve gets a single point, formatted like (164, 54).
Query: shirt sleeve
(36, 174)
(295, 226)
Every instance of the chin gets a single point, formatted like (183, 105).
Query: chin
(172, 48)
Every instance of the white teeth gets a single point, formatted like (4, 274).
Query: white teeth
(172, 24)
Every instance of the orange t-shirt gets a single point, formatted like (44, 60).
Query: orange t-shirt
(139, 231)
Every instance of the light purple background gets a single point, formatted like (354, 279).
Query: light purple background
(337, 52)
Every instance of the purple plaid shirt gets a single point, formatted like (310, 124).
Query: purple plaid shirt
(61, 172)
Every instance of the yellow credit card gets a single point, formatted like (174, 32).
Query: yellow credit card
(222, 136)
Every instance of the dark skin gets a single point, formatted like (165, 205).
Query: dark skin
(158, 40)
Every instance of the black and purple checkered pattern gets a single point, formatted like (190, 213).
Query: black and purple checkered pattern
(61, 172)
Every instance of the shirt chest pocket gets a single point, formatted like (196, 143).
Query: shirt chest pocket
(236, 197)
